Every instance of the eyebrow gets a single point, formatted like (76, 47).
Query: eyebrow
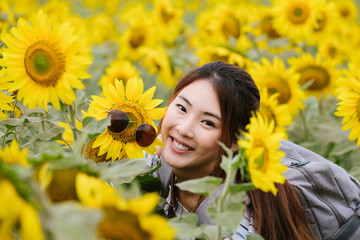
(206, 113)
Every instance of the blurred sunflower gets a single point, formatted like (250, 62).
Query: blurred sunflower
(347, 10)
(43, 62)
(273, 111)
(334, 49)
(323, 73)
(295, 19)
(262, 145)
(132, 103)
(119, 69)
(123, 219)
(5, 100)
(67, 135)
(13, 154)
(348, 94)
(158, 61)
(223, 22)
(18, 215)
(102, 28)
(325, 21)
(277, 79)
(138, 34)
(167, 18)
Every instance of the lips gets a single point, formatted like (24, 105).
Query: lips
(181, 146)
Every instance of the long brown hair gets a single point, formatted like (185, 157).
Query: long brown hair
(276, 217)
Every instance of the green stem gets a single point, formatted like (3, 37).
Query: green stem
(306, 129)
(72, 121)
(43, 121)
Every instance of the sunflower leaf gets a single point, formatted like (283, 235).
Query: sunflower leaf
(204, 186)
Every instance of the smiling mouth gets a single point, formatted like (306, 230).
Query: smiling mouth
(180, 146)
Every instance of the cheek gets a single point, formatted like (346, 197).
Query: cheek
(209, 141)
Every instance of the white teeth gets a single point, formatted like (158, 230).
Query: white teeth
(180, 146)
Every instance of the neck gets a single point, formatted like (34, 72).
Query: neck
(186, 174)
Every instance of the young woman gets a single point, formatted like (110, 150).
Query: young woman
(209, 104)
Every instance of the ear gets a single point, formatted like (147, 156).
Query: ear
(234, 147)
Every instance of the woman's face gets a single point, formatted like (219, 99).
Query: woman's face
(191, 128)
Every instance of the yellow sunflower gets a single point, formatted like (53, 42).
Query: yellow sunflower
(42, 62)
(295, 19)
(334, 49)
(5, 100)
(18, 215)
(273, 111)
(13, 154)
(277, 79)
(158, 61)
(102, 28)
(326, 19)
(167, 18)
(348, 94)
(223, 22)
(139, 108)
(347, 10)
(261, 146)
(123, 219)
(119, 69)
(323, 73)
(138, 34)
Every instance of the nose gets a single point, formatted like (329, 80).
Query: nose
(186, 127)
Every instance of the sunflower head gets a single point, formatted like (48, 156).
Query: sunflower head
(131, 114)
(261, 146)
(13, 154)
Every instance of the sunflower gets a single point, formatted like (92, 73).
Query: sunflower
(167, 19)
(334, 49)
(325, 22)
(5, 100)
(13, 154)
(348, 94)
(295, 18)
(137, 35)
(119, 69)
(138, 107)
(102, 28)
(323, 73)
(347, 10)
(261, 146)
(221, 23)
(42, 62)
(273, 111)
(123, 219)
(18, 215)
(277, 79)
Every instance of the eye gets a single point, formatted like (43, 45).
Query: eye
(181, 107)
(208, 123)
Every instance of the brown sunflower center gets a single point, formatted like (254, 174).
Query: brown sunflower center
(317, 74)
(282, 87)
(121, 225)
(136, 116)
(137, 38)
(166, 15)
(231, 27)
(344, 12)
(267, 27)
(44, 63)
(92, 153)
(298, 14)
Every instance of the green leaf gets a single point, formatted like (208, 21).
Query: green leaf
(241, 187)
(149, 183)
(204, 186)
(186, 226)
(124, 170)
(73, 221)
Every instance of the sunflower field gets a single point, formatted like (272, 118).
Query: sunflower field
(84, 84)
